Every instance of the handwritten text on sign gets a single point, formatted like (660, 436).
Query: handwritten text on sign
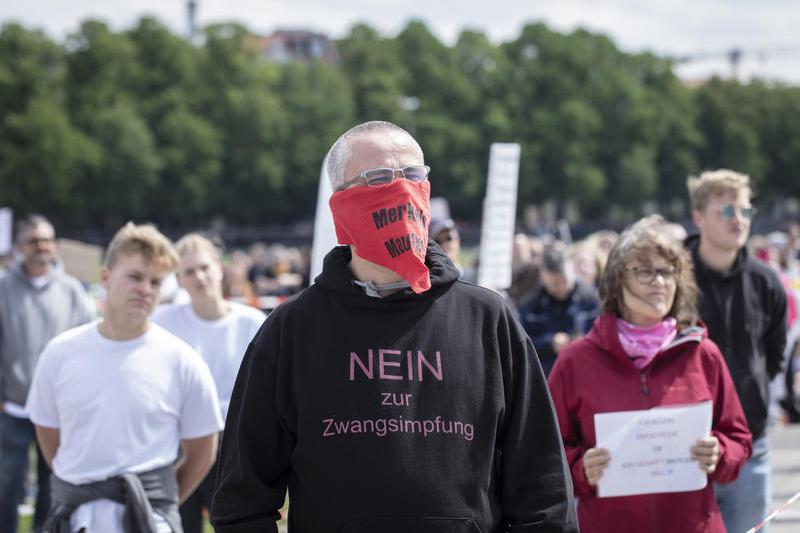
(650, 449)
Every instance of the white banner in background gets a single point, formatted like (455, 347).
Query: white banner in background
(324, 233)
(6, 230)
(499, 216)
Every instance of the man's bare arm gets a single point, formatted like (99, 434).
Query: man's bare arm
(49, 439)
(198, 456)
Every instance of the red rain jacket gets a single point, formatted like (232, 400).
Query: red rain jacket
(594, 375)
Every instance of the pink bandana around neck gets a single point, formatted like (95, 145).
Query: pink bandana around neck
(643, 343)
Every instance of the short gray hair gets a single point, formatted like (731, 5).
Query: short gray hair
(31, 221)
(339, 154)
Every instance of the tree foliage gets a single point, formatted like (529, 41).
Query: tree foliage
(143, 124)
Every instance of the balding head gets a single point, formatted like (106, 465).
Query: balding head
(382, 141)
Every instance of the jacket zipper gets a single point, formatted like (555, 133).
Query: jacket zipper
(645, 394)
(652, 502)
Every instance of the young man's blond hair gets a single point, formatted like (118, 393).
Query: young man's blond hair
(142, 239)
(716, 183)
(194, 242)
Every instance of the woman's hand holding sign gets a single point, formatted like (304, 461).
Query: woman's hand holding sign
(595, 461)
(706, 453)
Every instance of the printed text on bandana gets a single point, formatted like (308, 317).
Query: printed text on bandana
(396, 366)
(410, 242)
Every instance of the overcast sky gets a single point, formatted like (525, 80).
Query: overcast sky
(767, 31)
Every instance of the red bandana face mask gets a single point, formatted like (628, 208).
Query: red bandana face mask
(387, 226)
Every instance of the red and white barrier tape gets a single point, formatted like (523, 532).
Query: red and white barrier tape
(774, 513)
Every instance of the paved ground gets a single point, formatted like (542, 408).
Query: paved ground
(785, 477)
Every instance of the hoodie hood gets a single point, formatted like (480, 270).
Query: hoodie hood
(336, 274)
(605, 337)
(692, 244)
(56, 269)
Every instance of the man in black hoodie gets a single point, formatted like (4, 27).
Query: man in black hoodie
(744, 306)
(389, 396)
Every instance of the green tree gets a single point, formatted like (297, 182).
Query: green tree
(319, 101)
(190, 154)
(42, 158)
(31, 65)
(102, 70)
(118, 188)
(729, 117)
(240, 99)
(169, 95)
(42, 155)
(445, 122)
(780, 139)
(377, 76)
(552, 99)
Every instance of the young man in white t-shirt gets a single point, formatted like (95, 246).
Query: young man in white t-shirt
(217, 329)
(114, 400)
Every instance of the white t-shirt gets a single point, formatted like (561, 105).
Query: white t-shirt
(221, 343)
(120, 407)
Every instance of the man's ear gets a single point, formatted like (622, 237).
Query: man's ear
(104, 274)
(178, 279)
(697, 217)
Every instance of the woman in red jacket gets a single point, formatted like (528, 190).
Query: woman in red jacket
(647, 350)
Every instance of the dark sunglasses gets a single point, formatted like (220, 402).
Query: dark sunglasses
(729, 211)
(39, 240)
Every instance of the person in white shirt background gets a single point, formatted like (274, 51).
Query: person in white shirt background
(219, 330)
(114, 400)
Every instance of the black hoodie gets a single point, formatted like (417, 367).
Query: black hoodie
(415, 413)
(745, 312)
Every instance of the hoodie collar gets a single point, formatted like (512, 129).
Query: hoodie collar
(17, 269)
(336, 275)
(692, 243)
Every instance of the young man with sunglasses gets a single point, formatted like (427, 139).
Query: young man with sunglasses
(744, 306)
(390, 396)
(37, 302)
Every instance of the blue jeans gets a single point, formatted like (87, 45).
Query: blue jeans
(16, 436)
(745, 502)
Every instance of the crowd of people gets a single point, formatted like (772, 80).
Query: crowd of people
(394, 394)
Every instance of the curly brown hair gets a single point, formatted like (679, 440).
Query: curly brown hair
(641, 241)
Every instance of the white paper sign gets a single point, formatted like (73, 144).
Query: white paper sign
(324, 232)
(499, 216)
(651, 449)
(6, 235)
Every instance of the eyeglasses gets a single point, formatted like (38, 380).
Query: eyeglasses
(729, 211)
(448, 237)
(646, 275)
(33, 241)
(378, 177)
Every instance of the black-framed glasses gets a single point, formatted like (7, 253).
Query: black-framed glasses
(728, 211)
(35, 241)
(447, 237)
(646, 275)
(378, 177)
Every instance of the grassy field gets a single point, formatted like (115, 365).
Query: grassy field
(25, 524)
